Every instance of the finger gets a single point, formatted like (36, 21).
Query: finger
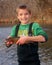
(8, 43)
(17, 42)
(11, 42)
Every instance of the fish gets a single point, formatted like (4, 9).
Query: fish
(11, 39)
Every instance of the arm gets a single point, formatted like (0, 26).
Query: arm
(26, 39)
(8, 40)
(39, 33)
(38, 38)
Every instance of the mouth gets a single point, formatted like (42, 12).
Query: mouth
(24, 19)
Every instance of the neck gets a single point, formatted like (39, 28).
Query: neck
(26, 23)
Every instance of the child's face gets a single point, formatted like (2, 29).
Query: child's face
(23, 16)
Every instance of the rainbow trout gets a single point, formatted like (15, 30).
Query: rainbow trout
(11, 39)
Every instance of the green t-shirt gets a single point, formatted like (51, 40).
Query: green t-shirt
(23, 30)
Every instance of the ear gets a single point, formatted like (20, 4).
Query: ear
(17, 16)
(30, 15)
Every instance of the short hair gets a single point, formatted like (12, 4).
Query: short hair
(23, 6)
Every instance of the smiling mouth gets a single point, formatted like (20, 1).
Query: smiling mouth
(23, 19)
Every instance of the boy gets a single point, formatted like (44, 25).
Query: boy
(27, 45)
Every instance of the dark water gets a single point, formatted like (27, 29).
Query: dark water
(8, 56)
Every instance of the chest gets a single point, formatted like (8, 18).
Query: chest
(23, 31)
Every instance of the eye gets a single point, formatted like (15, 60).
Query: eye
(26, 13)
(20, 14)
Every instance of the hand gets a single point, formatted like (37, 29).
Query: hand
(8, 44)
(22, 40)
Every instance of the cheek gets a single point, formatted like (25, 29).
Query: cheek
(18, 17)
(28, 16)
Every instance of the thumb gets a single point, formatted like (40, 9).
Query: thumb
(17, 42)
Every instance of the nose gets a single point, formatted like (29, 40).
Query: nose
(23, 15)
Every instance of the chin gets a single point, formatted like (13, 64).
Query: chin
(24, 22)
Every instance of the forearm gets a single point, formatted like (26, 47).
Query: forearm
(39, 38)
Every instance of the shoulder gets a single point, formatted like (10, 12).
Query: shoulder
(14, 27)
(35, 24)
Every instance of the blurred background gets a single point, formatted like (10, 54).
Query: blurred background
(42, 13)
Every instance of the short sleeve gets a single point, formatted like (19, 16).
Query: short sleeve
(39, 31)
(12, 34)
